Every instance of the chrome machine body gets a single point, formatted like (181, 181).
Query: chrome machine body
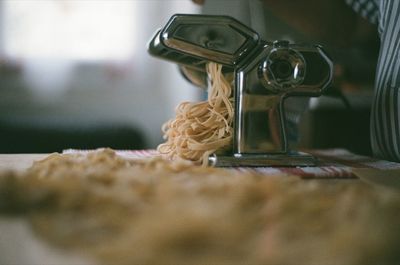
(266, 73)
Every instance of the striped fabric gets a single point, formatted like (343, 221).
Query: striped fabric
(385, 113)
(333, 164)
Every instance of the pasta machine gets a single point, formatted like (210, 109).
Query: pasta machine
(266, 74)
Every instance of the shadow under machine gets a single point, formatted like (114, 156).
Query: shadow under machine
(265, 75)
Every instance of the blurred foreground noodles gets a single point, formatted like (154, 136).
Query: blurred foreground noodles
(157, 211)
(200, 129)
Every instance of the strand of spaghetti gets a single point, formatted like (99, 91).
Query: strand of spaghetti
(199, 129)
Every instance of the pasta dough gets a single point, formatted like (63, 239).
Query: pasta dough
(200, 129)
(155, 211)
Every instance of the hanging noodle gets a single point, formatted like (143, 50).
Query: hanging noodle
(200, 129)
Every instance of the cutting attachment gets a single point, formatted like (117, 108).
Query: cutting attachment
(266, 73)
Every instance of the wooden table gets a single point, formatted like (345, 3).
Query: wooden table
(19, 161)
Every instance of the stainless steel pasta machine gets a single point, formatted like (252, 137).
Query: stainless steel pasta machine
(266, 74)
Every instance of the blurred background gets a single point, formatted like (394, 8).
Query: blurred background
(76, 74)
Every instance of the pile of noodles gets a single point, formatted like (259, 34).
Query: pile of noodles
(199, 129)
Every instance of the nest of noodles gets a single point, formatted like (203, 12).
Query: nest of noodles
(199, 129)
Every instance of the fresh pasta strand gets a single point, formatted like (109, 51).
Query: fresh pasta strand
(199, 129)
